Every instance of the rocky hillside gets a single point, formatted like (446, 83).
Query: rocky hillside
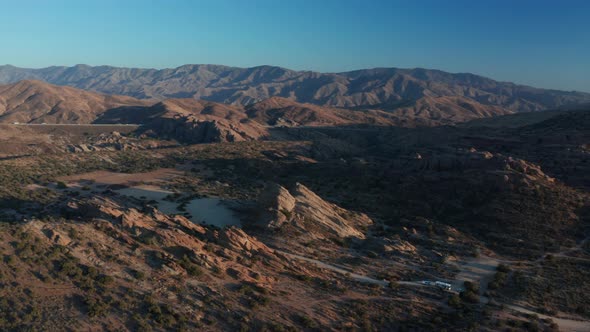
(38, 102)
(418, 90)
(199, 121)
(191, 121)
(278, 111)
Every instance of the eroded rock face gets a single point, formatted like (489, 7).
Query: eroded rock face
(237, 239)
(55, 236)
(308, 214)
(462, 160)
(279, 204)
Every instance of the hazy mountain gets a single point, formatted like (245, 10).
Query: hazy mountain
(412, 90)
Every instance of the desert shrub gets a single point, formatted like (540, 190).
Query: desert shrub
(470, 286)
(471, 292)
(498, 281)
(532, 326)
(96, 306)
(69, 267)
(306, 321)
(10, 259)
(139, 275)
(455, 301)
(372, 254)
(470, 296)
(304, 277)
(105, 280)
(191, 268)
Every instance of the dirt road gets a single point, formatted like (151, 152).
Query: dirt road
(482, 269)
(478, 270)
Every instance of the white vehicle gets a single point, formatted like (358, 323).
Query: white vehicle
(443, 285)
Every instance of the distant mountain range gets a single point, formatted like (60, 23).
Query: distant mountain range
(187, 119)
(408, 93)
(31, 101)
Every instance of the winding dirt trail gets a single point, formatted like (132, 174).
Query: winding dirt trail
(563, 323)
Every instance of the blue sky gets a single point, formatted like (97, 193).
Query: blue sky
(536, 42)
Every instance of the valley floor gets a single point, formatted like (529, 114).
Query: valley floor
(322, 229)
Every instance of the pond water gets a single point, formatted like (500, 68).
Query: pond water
(209, 210)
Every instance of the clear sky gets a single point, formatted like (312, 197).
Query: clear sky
(536, 42)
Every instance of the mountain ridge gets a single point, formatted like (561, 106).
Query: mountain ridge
(33, 101)
(386, 89)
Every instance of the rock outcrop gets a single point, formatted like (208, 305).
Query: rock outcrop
(308, 215)
(192, 121)
(208, 247)
(190, 129)
(108, 142)
(462, 160)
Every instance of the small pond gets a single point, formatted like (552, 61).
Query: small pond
(209, 210)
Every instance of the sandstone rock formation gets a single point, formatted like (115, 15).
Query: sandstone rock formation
(183, 237)
(305, 213)
(108, 142)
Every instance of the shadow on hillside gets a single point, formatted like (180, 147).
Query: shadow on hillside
(555, 144)
(128, 115)
(18, 210)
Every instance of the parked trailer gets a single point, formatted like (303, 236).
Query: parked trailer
(443, 285)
